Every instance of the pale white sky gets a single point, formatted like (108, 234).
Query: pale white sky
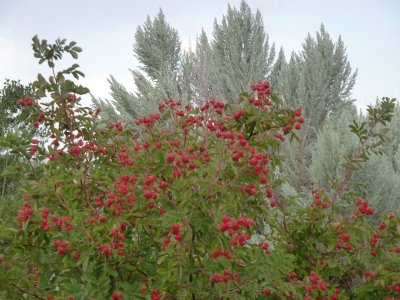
(105, 30)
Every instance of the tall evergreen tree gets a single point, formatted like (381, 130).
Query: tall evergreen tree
(320, 80)
(241, 52)
(279, 65)
(161, 74)
(203, 69)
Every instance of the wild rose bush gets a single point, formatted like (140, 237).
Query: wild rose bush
(166, 208)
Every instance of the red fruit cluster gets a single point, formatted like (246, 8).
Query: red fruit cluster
(375, 238)
(264, 246)
(25, 213)
(315, 283)
(238, 114)
(343, 240)
(317, 199)
(61, 246)
(148, 121)
(26, 101)
(267, 292)
(221, 253)
(263, 91)
(34, 146)
(295, 122)
(395, 288)
(176, 231)
(280, 136)
(45, 214)
(155, 294)
(218, 106)
(364, 208)
(62, 223)
(369, 274)
(233, 226)
(118, 238)
(105, 250)
(166, 242)
(117, 296)
(227, 276)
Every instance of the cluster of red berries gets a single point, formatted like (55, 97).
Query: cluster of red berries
(217, 105)
(25, 213)
(364, 208)
(317, 194)
(118, 238)
(233, 226)
(181, 158)
(61, 246)
(155, 294)
(238, 114)
(264, 246)
(267, 292)
(148, 121)
(176, 232)
(314, 283)
(39, 120)
(263, 91)
(125, 184)
(45, 214)
(26, 101)
(295, 122)
(375, 238)
(62, 223)
(369, 274)
(105, 250)
(119, 127)
(124, 159)
(395, 288)
(117, 296)
(227, 276)
(101, 219)
(62, 249)
(343, 240)
(221, 253)
(34, 146)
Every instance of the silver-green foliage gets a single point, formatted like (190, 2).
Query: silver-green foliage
(378, 178)
(241, 51)
(237, 56)
(319, 79)
(162, 73)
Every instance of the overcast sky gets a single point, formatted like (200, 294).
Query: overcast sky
(105, 30)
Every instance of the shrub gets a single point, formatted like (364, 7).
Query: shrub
(166, 208)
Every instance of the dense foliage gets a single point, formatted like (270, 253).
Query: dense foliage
(185, 204)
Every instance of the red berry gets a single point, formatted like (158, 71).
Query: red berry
(267, 291)
(116, 296)
(175, 228)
